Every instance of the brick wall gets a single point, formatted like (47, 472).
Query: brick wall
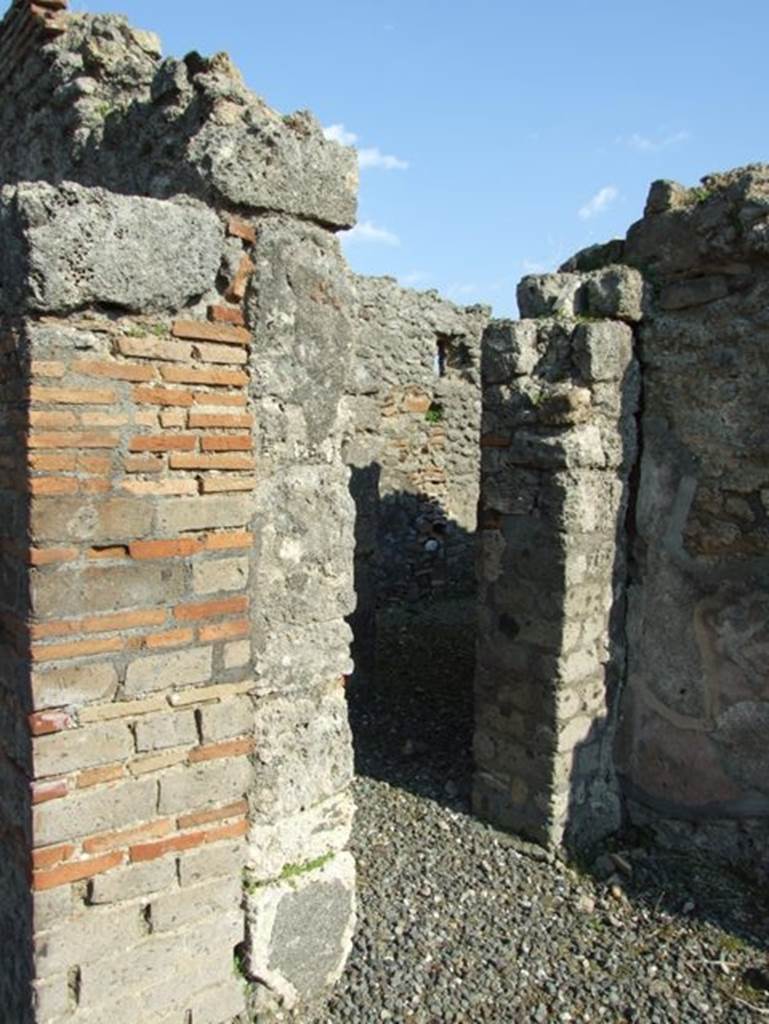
(140, 471)
(176, 561)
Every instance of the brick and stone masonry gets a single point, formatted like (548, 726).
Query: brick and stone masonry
(415, 410)
(176, 540)
(188, 370)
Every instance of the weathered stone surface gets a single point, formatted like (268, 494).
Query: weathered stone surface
(616, 292)
(68, 247)
(137, 124)
(603, 350)
(559, 441)
(299, 305)
(548, 295)
(695, 703)
(304, 836)
(303, 752)
(318, 904)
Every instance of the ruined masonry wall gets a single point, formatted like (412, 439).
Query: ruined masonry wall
(416, 408)
(693, 746)
(176, 569)
(622, 661)
(140, 469)
(15, 706)
(415, 420)
(560, 393)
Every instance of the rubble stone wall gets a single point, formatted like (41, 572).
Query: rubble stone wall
(693, 746)
(622, 661)
(415, 405)
(176, 545)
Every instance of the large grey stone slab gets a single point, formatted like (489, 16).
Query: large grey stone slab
(69, 247)
(300, 929)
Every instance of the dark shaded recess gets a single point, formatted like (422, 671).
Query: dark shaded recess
(411, 696)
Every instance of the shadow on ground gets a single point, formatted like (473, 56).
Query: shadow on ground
(412, 717)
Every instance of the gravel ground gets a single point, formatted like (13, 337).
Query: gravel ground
(460, 923)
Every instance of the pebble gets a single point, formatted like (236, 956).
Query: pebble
(457, 925)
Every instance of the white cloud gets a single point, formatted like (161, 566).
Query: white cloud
(645, 144)
(372, 157)
(366, 231)
(601, 201)
(338, 133)
(369, 156)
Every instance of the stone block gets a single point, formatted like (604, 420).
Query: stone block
(87, 936)
(73, 685)
(156, 732)
(616, 293)
(152, 961)
(301, 273)
(237, 654)
(51, 907)
(82, 519)
(88, 247)
(194, 903)
(205, 784)
(509, 349)
(548, 295)
(219, 1004)
(303, 752)
(52, 997)
(99, 810)
(305, 540)
(603, 350)
(233, 717)
(66, 592)
(181, 515)
(133, 881)
(75, 749)
(696, 292)
(318, 905)
(165, 671)
(215, 861)
(211, 575)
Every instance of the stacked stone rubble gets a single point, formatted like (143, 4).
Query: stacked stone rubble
(560, 394)
(176, 544)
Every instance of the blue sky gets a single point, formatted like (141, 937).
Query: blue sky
(497, 136)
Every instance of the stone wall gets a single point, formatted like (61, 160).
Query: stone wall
(177, 541)
(415, 404)
(560, 395)
(693, 745)
(624, 598)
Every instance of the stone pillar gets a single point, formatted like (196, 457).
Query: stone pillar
(177, 538)
(560, 392)
(300, 881)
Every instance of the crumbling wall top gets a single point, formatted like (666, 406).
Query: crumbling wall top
(90, 99)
